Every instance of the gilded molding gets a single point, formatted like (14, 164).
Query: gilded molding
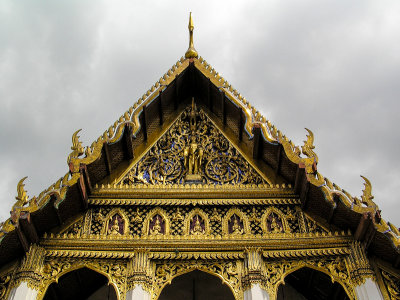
(89, 254)
(304, 240)
(184, 202)
(305, 253)
(196, 255)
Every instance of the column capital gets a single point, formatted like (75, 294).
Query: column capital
(30, 269)
(140, 271)
(358, 265)
(253, 268)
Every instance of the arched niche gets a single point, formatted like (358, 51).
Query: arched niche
(116, 223)
(196, 215)
(307, 283)
(158, 216)
(274, 221)
(196, 285)
(81, 283)
(235, 218)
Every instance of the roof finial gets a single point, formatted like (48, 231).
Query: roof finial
(191, 52)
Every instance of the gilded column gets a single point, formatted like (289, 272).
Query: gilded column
(140, 271)
(28, 277)
(253, 276)
(362, 275)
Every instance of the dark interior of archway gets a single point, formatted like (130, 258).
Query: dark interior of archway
(196, 285)
(310, 284)
(81, 284)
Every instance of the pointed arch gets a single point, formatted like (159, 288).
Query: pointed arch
(242, 216)
(75, 267)
(191, 215)
(349, 290)
(219, 272)
(149, 218)
(110, 218)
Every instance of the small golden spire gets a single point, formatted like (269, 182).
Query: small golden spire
(191, 52)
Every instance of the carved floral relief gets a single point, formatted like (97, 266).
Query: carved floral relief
(193, 150)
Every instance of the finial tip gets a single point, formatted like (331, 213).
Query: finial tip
(191, 52)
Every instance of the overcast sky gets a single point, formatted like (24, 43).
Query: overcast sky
(330, 66)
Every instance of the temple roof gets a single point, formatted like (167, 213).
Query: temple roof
(285, 164)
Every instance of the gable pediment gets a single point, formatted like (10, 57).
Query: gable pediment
(194, 150)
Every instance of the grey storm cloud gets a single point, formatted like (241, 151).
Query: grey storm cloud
(330, 66)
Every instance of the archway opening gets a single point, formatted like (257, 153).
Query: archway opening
(310, 284)
(196, 285)
(81, 284)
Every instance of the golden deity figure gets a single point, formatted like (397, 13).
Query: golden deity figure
(156, 229)
(137, 218)
(197, 228)
(193, 124)
(193, 154)
(193, 157)
(253, 215)
(275, 228)
(177, 216)
(236, 228)
(215, 216)
(114, 229)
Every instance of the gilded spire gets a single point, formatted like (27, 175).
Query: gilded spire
(191, 52)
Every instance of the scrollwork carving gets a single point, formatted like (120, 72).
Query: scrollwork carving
(335, 267)
(188, 152)
(114, 270)
(392, 285)
(228, 271)
(5, 281)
